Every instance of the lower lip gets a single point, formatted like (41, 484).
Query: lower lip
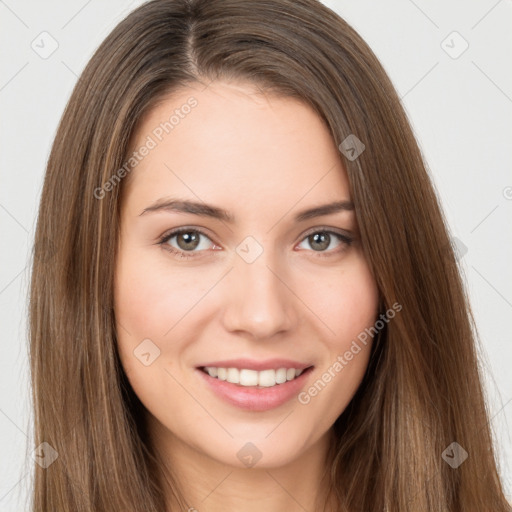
(256, 399)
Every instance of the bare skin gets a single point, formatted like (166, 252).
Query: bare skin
(264, 159)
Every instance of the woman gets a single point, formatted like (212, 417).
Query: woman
(252, 300)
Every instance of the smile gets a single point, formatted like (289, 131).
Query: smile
(254, 390)
(253, 378)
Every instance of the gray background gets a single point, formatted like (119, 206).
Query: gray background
(459, 103)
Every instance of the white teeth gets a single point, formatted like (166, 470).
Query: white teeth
(233, 375)
(248, 378)
(267, 378)
(245, 377)
(281, 376)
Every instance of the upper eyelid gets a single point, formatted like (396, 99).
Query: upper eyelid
(326, 229)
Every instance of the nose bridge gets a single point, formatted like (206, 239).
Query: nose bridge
(258, 300)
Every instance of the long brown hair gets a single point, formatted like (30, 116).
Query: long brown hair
(422, 390)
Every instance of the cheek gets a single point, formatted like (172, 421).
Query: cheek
(152, 296)
(349, 307)
(145, 309)
(347, 303)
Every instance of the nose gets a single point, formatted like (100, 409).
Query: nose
(258, 299)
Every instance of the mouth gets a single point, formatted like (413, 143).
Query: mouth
(254, 390)
(245, 377)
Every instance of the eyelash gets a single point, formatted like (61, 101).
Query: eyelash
(345, 239)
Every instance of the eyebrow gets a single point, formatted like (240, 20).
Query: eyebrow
(215, 212)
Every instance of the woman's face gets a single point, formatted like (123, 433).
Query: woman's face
(253, 289)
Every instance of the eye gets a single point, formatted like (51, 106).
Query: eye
(323, 238)
(187, 240)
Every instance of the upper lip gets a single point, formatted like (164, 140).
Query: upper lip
(253, 364)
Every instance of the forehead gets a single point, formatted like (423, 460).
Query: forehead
(230, 144)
